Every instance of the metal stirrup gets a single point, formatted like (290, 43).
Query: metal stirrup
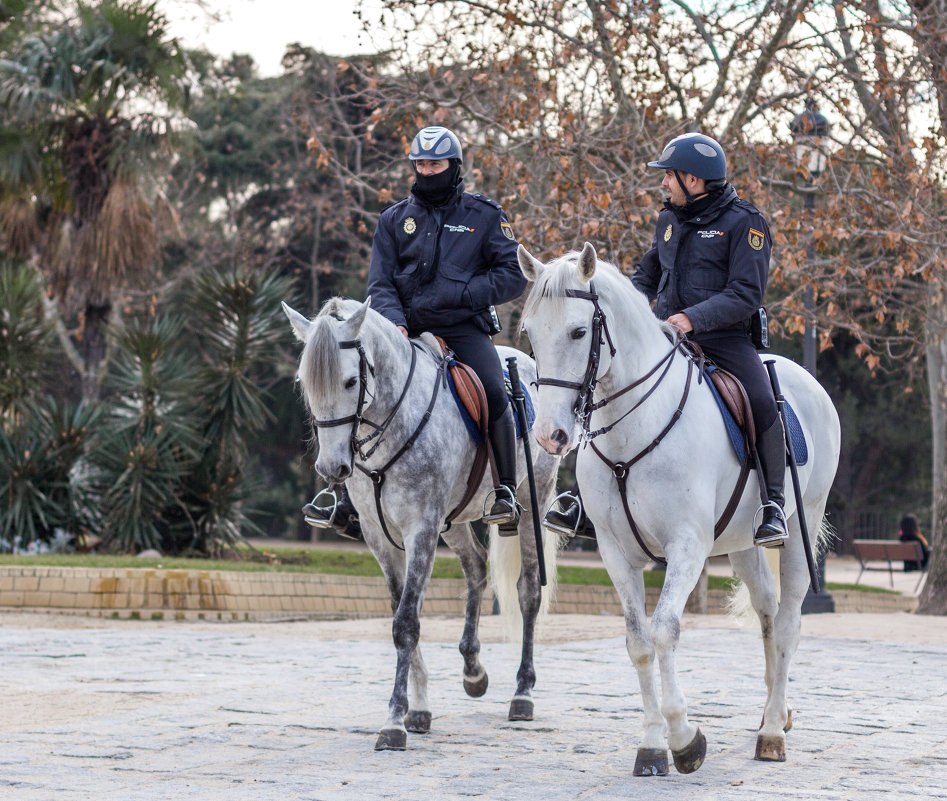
(564, 530)
(319, 522)
(492, 497)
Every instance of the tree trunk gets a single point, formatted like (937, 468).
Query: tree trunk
(933, 600)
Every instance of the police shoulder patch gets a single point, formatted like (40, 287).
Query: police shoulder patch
(487, 200)
(507, 230)
(755, 239)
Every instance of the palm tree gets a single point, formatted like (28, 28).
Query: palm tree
(86, 103)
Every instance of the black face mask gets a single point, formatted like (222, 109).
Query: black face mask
(435, 190)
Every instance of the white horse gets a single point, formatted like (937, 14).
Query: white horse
(662, 436)
(387, 426)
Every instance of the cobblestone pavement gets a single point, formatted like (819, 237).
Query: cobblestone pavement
(253, 712)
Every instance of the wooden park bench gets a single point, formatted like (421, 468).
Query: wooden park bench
(889, 551)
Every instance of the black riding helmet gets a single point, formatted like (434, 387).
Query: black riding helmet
(433, 144)
(696, 154)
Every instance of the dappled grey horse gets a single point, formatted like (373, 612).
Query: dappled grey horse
(389, 428)
(658, 477)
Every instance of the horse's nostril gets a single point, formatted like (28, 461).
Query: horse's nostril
(344, 471)
(560, 437)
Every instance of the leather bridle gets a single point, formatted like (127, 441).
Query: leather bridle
(357, 419)
(584, 405)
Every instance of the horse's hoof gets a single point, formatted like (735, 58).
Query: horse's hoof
(651, 762)
(770, 748)
(392, 740)
(417, 721)
(475, 686)
(521, 709)
(691, 756)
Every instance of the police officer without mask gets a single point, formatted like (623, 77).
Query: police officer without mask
(706, 274)
(441, 258)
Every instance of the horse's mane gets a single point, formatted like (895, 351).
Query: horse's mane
(320, 362)
(610, 284)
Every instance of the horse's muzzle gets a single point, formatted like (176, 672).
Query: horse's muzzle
(334, 473)
(556, 443)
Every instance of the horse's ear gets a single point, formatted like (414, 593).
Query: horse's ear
(531, 266)
(354, 323)
(299, 323)
(587, 261)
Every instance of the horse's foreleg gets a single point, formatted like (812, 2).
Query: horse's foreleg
(685, 562)
(652, 757)
(406, 631)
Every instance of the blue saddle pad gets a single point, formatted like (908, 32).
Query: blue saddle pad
(736, 436)
(468, 420)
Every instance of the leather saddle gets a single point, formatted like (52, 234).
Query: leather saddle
(734, 396)
(470, 392)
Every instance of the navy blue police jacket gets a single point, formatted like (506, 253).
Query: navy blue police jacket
(437, 267)
(710, 264)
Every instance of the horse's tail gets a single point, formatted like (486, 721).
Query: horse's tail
(738, 604)
(505, 568)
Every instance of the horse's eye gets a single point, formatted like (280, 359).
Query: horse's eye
(578, 333)
(350, 384)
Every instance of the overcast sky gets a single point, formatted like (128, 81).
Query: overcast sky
(263, 28)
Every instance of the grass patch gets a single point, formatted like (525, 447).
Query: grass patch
(345, 562)
(841, 585)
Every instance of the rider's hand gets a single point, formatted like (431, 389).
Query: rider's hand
(681, 322)
(403, 330)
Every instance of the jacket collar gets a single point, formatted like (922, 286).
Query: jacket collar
(704, 212)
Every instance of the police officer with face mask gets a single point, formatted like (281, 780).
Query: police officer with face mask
(441, 259)
(706, 273)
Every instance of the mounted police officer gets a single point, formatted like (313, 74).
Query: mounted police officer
(706, 274)
(441, 259)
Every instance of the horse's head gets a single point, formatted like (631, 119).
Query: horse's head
(564, 322)
(337, 378)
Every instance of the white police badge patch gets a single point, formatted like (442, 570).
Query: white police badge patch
(410, 226)
(755, 238)
(667, 233)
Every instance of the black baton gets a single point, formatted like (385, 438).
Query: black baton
(793, 471)
(519, 401)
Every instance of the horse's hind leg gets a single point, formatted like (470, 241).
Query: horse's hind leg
(473, 561)
(529, 591)
(751, 567)
(793, 582)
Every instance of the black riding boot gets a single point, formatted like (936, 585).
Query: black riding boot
(569, 518)
(339, 514)
(771, 449)
(505, 512)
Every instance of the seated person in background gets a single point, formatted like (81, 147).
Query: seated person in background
(911, 532)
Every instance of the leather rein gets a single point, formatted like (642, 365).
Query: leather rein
(584, 406)
(358, 419)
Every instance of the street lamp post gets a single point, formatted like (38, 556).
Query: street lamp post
(808, 131)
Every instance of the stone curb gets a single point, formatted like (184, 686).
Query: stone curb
(157, 594)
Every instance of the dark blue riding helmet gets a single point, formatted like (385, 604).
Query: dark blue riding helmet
(435, 143)
(696, 154)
